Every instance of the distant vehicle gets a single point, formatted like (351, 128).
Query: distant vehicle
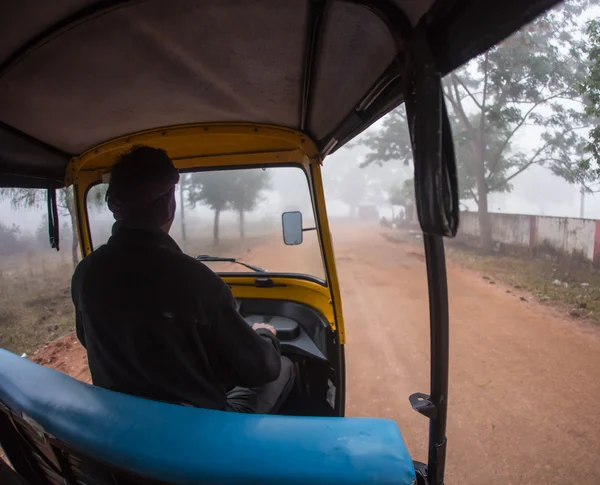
(368, 213)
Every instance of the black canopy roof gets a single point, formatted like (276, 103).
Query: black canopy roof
(75, 73)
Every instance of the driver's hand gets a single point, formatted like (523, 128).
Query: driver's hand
(266, 326)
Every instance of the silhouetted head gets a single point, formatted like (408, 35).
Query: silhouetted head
(142, 188)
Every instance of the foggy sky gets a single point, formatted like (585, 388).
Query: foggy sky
(536, 191)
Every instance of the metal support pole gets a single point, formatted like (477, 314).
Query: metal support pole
(439, 330)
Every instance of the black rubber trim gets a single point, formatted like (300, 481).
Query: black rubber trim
(252, 276)
(460, 30)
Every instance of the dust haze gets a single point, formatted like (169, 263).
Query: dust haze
(537, 191)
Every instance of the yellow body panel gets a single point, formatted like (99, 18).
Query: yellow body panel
(291, 289)
(203, 146)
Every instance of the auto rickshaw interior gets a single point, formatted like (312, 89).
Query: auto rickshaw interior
(225, 86)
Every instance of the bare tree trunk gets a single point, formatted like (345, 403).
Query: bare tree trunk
(485, 224)
(216, 227)
(241, 224)
(70, 204)
(74, 242)
(182, 210)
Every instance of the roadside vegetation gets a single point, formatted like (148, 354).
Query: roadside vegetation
(36, 300)
(570, 285)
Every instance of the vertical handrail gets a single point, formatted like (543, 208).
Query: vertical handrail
(436, 193)
(439, 342)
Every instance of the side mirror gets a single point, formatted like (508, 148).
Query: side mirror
(292, 228)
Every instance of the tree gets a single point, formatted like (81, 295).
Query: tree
(66, 202)
(347, 183)
(214, 190)
(391, 142)
(9, 239)
(589, 88)
(526, 82)
(402, 193)
(36, 198)
(41, 232)
(246, 189)
(184, 185)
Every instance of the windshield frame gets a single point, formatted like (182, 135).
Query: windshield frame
(308, 174)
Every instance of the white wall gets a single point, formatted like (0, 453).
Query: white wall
(567, 234)
(564, 234)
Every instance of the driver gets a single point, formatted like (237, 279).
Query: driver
(158, 324)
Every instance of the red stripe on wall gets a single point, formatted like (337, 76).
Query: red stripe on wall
(597, 245)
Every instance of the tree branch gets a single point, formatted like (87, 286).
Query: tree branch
(456, 78)
(458, 107)
(482, 142)
(524, 167)
(517, 127)
(472, 192)
(469, 95)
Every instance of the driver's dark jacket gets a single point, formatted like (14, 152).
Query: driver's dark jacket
(158, 324)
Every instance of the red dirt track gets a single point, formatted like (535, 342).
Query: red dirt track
(524, 402)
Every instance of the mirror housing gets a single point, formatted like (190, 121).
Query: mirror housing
(292, 228)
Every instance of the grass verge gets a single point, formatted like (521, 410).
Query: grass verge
(569, 285)
(36, 305)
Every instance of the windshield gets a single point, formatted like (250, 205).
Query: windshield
(234, 214)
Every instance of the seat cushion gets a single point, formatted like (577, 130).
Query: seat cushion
(184, 445)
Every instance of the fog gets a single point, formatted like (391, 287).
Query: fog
(536, 191)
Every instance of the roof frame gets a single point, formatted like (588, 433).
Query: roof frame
(458, 30)
(87, 13)
(313, 37)
(21, 142)
(387, 92)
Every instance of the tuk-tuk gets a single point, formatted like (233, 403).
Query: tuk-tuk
(229, 87)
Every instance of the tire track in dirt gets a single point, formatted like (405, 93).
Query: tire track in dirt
(524, 387)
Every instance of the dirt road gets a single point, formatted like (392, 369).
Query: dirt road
(524, 378)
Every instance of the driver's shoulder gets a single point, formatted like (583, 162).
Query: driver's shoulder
(193, 268)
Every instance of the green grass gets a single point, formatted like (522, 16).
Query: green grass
(35, 302)
(35, 295)
(578, 292)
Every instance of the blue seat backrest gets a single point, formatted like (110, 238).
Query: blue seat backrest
(183, 445)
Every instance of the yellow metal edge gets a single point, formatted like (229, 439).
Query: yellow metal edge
(328, 253)
(286, 288)
(300, 149)
(187, 142)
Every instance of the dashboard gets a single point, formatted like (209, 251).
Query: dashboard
(300, 329)
(287, 329)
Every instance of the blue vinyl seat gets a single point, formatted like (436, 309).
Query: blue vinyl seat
(118, 435)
